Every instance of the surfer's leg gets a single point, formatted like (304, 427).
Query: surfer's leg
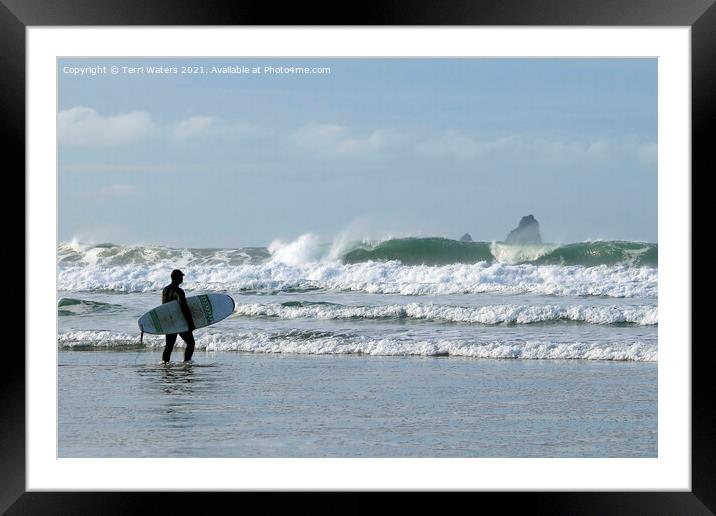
(188, 337)
(171, 339)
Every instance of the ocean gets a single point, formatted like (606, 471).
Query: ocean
(407, 347)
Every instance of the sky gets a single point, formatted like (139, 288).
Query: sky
(203, 155)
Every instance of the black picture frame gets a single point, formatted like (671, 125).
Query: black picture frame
(699, 15)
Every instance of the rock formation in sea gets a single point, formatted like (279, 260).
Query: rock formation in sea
(466, 238)
(527, 232)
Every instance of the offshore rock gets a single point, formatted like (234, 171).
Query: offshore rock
(466, 238)
(527, 232)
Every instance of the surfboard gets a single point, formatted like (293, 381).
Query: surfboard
(206, 309)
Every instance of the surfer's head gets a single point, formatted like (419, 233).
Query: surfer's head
(177, 276)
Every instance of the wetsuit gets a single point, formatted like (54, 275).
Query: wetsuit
(171, 293)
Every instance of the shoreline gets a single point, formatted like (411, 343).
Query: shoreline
(179, 347)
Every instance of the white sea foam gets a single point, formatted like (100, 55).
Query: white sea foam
(492, 314)
(110, 255)
(371, 277)
(97, 339)
(322, 343)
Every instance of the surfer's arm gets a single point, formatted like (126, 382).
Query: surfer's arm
(185, 309)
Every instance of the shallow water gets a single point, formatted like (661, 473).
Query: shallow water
(228, 404)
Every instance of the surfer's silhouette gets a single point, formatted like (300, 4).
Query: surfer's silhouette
(172, 292)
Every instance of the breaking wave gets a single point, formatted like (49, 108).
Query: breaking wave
(442, 251)
(372, 277)
(325, 342)
(412, 266)
(492, 314)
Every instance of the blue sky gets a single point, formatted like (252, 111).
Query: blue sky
(375, 148)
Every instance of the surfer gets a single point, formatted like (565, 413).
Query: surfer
(170, 293)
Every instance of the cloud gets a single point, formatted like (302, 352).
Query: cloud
(192, 126)
(83, 126)
(628, 148)
(339, 141)
(118, 190)
(377, 141)
(461, 146)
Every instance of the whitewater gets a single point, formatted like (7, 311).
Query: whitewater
(404, 347)
(595, 300)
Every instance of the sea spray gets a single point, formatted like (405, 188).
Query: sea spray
(305, 249)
